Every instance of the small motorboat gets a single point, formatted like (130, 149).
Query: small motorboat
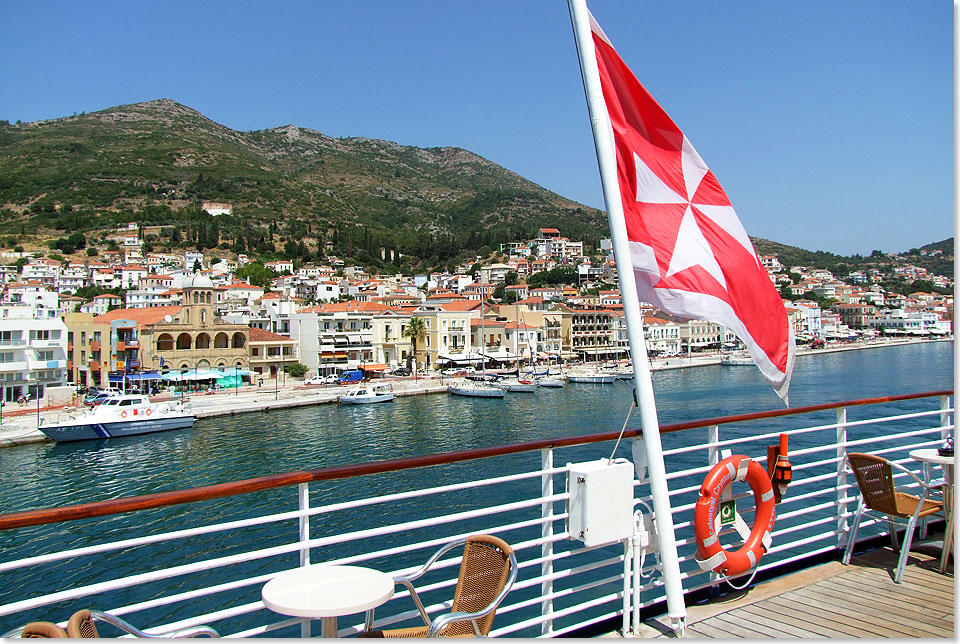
(123, 415)
(591, 377)
(732, 360)
(367, 394)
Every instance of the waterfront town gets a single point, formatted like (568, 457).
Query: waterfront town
(174, 319)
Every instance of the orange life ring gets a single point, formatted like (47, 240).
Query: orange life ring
(706, 519)
(148, 412)
(123, 414)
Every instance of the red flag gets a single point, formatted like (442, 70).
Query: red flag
(690, 254)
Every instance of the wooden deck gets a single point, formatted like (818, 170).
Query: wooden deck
(832, 600)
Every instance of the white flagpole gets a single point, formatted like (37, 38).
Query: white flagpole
(643, 385)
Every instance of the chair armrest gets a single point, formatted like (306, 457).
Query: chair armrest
(441, 622)
(403, 579)
(407, 580)
(926, 486)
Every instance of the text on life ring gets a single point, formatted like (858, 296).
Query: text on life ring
(712, 555)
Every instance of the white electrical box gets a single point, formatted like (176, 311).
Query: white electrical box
(601, 501)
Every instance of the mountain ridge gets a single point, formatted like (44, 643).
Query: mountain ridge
(294, 190)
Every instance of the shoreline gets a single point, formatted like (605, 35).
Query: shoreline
(20, 427)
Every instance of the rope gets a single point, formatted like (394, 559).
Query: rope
(749, 581)
(633, 405)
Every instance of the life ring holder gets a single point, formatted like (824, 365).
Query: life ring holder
(148, 411)
(711, 555)
(123, 414)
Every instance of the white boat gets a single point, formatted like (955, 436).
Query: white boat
(476, 390)
(736, 360)
(591, 377)
(550, 381)
(365, 395)
(517, 385)
(125, 415)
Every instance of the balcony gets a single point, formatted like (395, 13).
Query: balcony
(94, 345)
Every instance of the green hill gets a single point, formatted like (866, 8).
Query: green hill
(293, 190)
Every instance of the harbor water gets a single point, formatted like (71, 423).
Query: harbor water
(229, 448)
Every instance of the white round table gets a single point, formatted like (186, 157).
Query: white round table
(326, 592)
(931, 455)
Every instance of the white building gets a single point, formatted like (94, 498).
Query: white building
(33, 353)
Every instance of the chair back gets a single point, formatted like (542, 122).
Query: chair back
(484, 571)
(875, 479)
(81, 625)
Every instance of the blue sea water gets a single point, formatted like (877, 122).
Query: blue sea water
(224, 449)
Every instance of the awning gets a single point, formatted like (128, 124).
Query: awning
(356, 339)
(374, 367)
(176, 376)
(340, 354)
(144, 376)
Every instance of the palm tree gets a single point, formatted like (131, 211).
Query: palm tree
(416, 330)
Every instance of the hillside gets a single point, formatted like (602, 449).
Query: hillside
(156, 162)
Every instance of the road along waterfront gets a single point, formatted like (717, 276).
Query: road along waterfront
(20, 426)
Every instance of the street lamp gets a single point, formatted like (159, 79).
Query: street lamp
(276, 385)
(36, 392)
(236, 377)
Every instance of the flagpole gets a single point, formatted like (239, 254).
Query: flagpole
(642, 382)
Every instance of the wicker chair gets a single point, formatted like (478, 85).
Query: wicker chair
(81, 625)
(879, 496)
(487, 572)
(36, 629)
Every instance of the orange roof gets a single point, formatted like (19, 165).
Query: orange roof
(147, 316)
(261, 335)
(461, 305)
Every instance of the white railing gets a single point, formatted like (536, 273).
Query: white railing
(185, 564)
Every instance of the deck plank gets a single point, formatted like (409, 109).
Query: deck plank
(885, 624)
(786, 622)
(831, 600)
(889, 598)
(842, 626)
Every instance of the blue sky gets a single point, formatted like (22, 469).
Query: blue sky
(829, 124)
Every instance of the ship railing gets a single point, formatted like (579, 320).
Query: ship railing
(170, 560)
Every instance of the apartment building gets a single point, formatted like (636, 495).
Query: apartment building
(33, 354)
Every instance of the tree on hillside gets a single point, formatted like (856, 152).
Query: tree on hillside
(555, 277)
(256, 273)
(416, 330)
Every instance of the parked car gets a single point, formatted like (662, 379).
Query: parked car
(401, 371)
(347, 377)
(316, 380)
(94, 399)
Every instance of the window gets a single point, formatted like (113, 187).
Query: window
(83, 356)
(44, 355)
(96, 336)
(6, 356)
(39, 334)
